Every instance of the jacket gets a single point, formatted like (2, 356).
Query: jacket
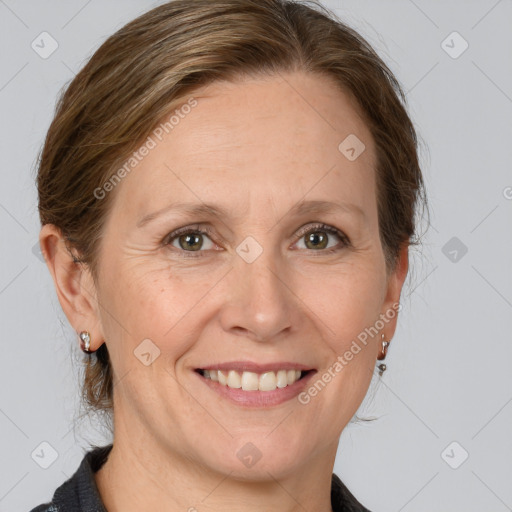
(80, 493)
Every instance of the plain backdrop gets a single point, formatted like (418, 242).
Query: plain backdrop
(442, 438)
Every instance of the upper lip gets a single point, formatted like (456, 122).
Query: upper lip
(249, 366)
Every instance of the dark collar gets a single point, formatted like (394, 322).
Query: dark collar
(80, 492)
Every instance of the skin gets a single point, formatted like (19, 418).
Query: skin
(255, 147)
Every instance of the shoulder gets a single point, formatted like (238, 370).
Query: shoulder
(79, 492)
(342, 500)
(46, 507)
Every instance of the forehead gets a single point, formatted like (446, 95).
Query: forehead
(305, 111)
(250, 138)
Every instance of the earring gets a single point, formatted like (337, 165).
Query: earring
(85, 342)
(382, 355)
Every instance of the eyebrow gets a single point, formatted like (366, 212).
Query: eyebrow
(212, 210)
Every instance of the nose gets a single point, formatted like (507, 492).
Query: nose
(259, 300)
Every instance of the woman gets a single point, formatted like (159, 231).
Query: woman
(227, 196)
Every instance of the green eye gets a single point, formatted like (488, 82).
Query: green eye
(190, 239)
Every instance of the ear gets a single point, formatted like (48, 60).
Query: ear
(394, 289)
(74, 285)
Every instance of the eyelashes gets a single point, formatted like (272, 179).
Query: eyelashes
(196, 232)
(324, 228)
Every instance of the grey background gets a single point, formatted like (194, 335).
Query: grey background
(449, 365)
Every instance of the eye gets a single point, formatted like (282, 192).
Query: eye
(189, 240)
(317, 237)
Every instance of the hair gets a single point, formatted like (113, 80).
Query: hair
(145, 69)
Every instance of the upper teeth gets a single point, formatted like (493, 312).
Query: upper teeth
(250, 381)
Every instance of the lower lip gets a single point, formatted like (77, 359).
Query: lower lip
(258, 398)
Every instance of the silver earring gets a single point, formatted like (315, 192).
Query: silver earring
(382, 355)
(85, 341)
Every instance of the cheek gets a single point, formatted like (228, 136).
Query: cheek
(354, 311)
(146, 322)
(151, 300)
(347, 300)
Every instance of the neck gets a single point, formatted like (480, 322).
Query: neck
(143, 476)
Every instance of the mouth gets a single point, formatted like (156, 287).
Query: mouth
(254, 381)
(252, 385)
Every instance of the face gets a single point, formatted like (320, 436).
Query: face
(268, 281)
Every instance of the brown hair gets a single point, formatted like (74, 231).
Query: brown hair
(144, 70)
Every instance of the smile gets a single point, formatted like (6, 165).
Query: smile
(251, 381)
(262, 388)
